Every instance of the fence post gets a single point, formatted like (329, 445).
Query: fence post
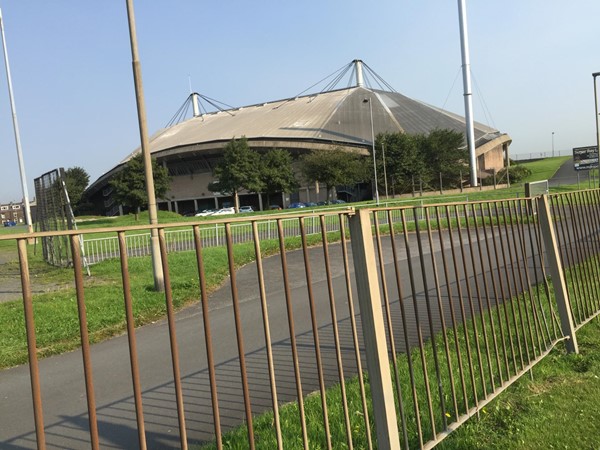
(556, 273)
(369, 300)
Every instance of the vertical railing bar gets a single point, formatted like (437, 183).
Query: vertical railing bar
(238, 333)
(580, 302)
(523, 205)
(173, 339)
(352, 315)
(522, 269)
(463, 315)
(577, 257)
(557, 212)
(480, 304)
(470, 298)
(425, 212)
(510, 283)
(290, 316)
(594, 244)
(494, 288)
(267, 333)
(411, 276)
(133, 355)
(390, 329)
(540, 249)
(315, 331)
(590, 260)
(336, 334)
(582, 253)
(533, 243)
(405, 330)
(85, 342)
(487, 292)
(452, 318)
(518, 277)
(34, 372)
(208, 336)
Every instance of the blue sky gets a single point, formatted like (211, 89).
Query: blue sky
(71, 67)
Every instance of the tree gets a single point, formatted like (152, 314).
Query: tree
(76, 180)
(276, 173)
(130, 183)
(333, 167)
(403, 159)
(446, 154)
(239, 169)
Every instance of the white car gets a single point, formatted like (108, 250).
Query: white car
(246, 209)
(206, 212)
(224, 211)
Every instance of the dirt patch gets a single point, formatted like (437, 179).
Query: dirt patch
(10, 278)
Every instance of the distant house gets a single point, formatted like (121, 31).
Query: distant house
(12, 212)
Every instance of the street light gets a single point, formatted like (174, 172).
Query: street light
(368, 100)
(553, 144)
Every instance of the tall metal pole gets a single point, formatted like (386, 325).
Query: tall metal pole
(597, 122)
(16, 130)
(553, 144)
(139, 96)
(466, 69)
(370, 101)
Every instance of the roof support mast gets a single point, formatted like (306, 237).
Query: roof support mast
(466, 69)
(359, 73)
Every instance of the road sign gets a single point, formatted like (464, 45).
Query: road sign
(585, 158)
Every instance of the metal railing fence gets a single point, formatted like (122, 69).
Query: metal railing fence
(444, 306)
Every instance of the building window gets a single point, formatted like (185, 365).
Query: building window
(16, 207)
(4, 208)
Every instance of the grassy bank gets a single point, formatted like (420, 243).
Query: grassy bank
(554, 408)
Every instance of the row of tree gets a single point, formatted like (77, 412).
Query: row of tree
(405, 158)
(402, 157)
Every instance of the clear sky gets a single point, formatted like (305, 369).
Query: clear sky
(70, 60)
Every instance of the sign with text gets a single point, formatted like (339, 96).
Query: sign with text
(585, 158)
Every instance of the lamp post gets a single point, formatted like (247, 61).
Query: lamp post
(145, 145)
(16, 131)
(384, 171)
(369, 101)
(553, 144)
(595, 74)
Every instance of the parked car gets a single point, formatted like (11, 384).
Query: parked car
(224, 211)
(310, 204)
(206, 212)
(10, 223)
(322, 203)
(337, 202)
(297, 205)
(274, 207)
(246, 209)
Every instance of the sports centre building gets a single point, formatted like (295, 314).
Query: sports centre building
(342, 118)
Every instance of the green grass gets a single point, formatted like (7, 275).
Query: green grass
(558, 409)
(57, 327)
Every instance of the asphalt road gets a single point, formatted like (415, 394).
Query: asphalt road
(62, 376)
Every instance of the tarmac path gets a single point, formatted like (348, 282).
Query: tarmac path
(63, 391)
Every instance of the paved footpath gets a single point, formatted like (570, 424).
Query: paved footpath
(63, 391)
